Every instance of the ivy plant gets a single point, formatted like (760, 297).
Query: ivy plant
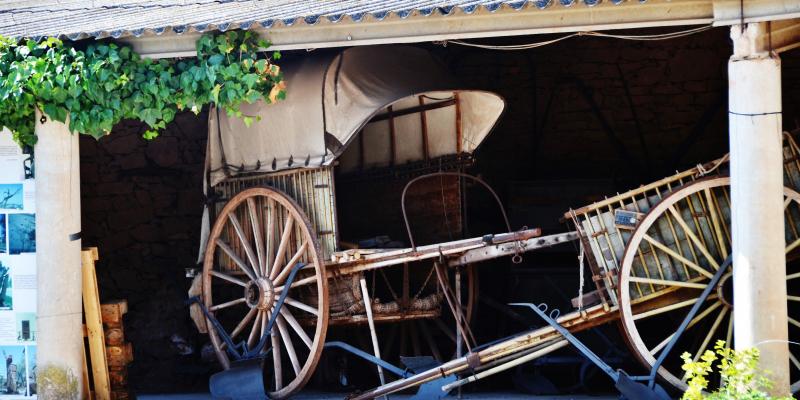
(95, 85)
(740, 378)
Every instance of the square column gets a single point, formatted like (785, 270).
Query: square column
(756, 154)
(60, 353)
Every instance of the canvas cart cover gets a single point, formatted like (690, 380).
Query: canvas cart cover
(330, 97)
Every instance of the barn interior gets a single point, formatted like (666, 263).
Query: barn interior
(584, 118)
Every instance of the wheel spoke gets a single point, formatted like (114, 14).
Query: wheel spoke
(792, 246)
(693, 237)
(692, 323)
(285, 237)
(228, 278)
(238, 261)
(270, 235)
(296, 326)
(712, 209)
(287, 343)
(442, 327)
(793, 276)
(729, 334)
(793, 298)
(794, 360)
(251, 256)
(299, 282)
(665, 282)
(677, 256)
(276, 359)
(256, 224)
(794, 322)
(709, 336)
(305, 307)
(288, 268)
(226, 304)
(247, 318)
(251, 340)
(426, 333)
(662, 310)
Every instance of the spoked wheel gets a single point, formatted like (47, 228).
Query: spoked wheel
(258, 239)
(430, 331)
(668, 262)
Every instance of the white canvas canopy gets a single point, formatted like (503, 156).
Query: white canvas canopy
(332, 96)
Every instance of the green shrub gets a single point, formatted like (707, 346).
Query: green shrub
(740, 378)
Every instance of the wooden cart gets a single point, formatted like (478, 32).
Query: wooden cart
(653, 250)
(274, 247)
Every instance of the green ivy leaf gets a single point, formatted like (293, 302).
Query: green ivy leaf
(216, 59)
(100, 84)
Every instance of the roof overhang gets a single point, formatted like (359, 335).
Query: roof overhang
(458, 25)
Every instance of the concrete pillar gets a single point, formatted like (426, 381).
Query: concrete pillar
(59, 356)
(759, 260)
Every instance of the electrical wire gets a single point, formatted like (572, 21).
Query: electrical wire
(526, 46)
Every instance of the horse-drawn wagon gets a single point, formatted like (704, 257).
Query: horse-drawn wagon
(364, 124)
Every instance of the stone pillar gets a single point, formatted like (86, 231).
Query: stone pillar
(59, 356)
(759, 260)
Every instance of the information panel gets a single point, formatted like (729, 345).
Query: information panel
(17, 273)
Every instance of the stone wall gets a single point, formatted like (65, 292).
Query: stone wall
(551, 130)
(142, 200)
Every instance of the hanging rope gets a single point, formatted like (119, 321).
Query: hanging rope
(581, 279)
(702, 171)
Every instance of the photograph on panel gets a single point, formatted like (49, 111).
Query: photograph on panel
(6, 302)
(3, 235)
(11, 196)
(26, 326)
(21, 233)
(13, 372)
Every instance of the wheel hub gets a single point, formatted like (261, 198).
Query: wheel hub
(725, 289)
(260, 294)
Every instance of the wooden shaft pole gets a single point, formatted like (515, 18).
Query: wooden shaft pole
(372, 332)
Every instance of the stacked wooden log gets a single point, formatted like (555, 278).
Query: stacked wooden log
(118, 352)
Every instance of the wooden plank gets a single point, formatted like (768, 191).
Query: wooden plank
(94, 325)
(87, 394)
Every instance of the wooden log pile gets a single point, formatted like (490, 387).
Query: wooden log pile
(118, 352)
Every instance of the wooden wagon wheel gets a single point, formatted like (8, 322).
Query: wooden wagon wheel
(257, 239)
(661, 278)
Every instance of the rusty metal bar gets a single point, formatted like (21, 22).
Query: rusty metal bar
(423, 119)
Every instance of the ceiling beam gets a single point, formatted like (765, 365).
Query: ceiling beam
(729, 12)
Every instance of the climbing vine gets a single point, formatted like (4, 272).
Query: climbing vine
(98, 84)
